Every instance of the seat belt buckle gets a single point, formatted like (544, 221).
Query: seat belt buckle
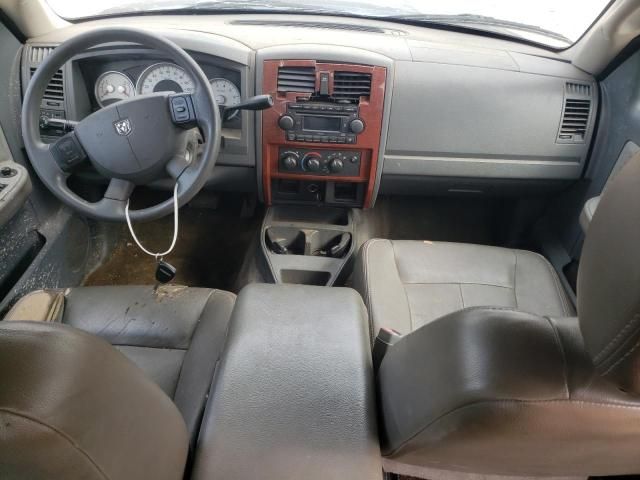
(386, 338)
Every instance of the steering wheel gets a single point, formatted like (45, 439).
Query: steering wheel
(132, 142)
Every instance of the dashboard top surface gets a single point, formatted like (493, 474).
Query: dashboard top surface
(250, 32)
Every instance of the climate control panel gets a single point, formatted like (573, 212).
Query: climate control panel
(340, 163)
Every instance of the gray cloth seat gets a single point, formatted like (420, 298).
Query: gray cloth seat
(174, 334)
(503, 379)
(407, 284)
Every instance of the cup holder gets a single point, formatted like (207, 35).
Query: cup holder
(309, 242)
(286, 241)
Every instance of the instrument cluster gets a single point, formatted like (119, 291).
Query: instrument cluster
(113, 85)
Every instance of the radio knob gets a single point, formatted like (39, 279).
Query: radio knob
(286, 122)
(290, 162)
(356, 126)
(311, 162)
(336, 165)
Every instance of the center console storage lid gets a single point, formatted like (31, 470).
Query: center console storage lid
(293, 396)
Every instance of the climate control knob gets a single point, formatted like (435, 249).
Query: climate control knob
(290, 162)
(356, 126)
(336, 165)
(311, 162)
(286, 122)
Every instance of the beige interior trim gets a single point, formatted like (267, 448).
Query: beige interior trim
(32, 17)
(39, 306)
(613, 31)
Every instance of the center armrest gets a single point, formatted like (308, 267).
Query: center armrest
(293, 396)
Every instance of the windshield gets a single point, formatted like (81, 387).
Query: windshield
(556, 23)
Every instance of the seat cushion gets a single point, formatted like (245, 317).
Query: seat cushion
(407, 284)
(174, 334)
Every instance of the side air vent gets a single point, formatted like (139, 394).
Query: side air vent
(351, 85)
(576, 113)
(38, 54)
(578, 89)
(297, 79)
(55, 89)
(321, 25)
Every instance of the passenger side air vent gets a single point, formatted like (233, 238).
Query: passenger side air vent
(297, 79)
(351, 85)
(576, 113)
(55, 89)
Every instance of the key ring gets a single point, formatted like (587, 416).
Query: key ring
(157, 255)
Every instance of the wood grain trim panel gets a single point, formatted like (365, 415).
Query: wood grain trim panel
(367, 143)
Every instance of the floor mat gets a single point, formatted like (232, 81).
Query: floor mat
(438, 218)
(211, 249)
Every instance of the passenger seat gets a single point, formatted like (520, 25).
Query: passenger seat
(407, 284)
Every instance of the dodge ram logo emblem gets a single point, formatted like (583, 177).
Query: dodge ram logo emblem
(123, 127)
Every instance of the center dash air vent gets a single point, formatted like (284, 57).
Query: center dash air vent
(576, 113)
(351, 85)
(55, 88)
(297, 79)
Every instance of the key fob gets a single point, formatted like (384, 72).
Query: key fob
(165, 272)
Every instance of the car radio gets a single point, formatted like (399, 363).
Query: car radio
(321, 122)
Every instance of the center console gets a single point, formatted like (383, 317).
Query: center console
(321, 140)
(293, 394)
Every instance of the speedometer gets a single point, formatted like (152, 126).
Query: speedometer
(226, 93)
(164, 77)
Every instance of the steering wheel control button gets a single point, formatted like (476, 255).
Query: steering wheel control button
(68, 152)
(182, 111)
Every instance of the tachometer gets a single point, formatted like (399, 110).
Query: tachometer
(112, 87)
(226, 93)
(164, 77)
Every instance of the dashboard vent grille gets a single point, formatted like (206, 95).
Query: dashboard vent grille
(297, 79)
(321, 25)
(576, 113)
(351, 85)
(38, 54)
(55, 89)
(578, 89)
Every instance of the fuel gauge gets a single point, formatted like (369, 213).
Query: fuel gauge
(112, 87)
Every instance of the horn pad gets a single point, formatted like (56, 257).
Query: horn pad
(131, 139)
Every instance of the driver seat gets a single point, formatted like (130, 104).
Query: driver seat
(174, 334)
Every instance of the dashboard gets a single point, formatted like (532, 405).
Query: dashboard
(442, 112)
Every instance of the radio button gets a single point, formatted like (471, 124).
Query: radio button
(286, 122)
(356, 126)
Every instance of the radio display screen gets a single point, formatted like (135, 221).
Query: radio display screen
(326, 124)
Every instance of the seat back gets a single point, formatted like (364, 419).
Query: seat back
(609, 281)
(72, 406)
